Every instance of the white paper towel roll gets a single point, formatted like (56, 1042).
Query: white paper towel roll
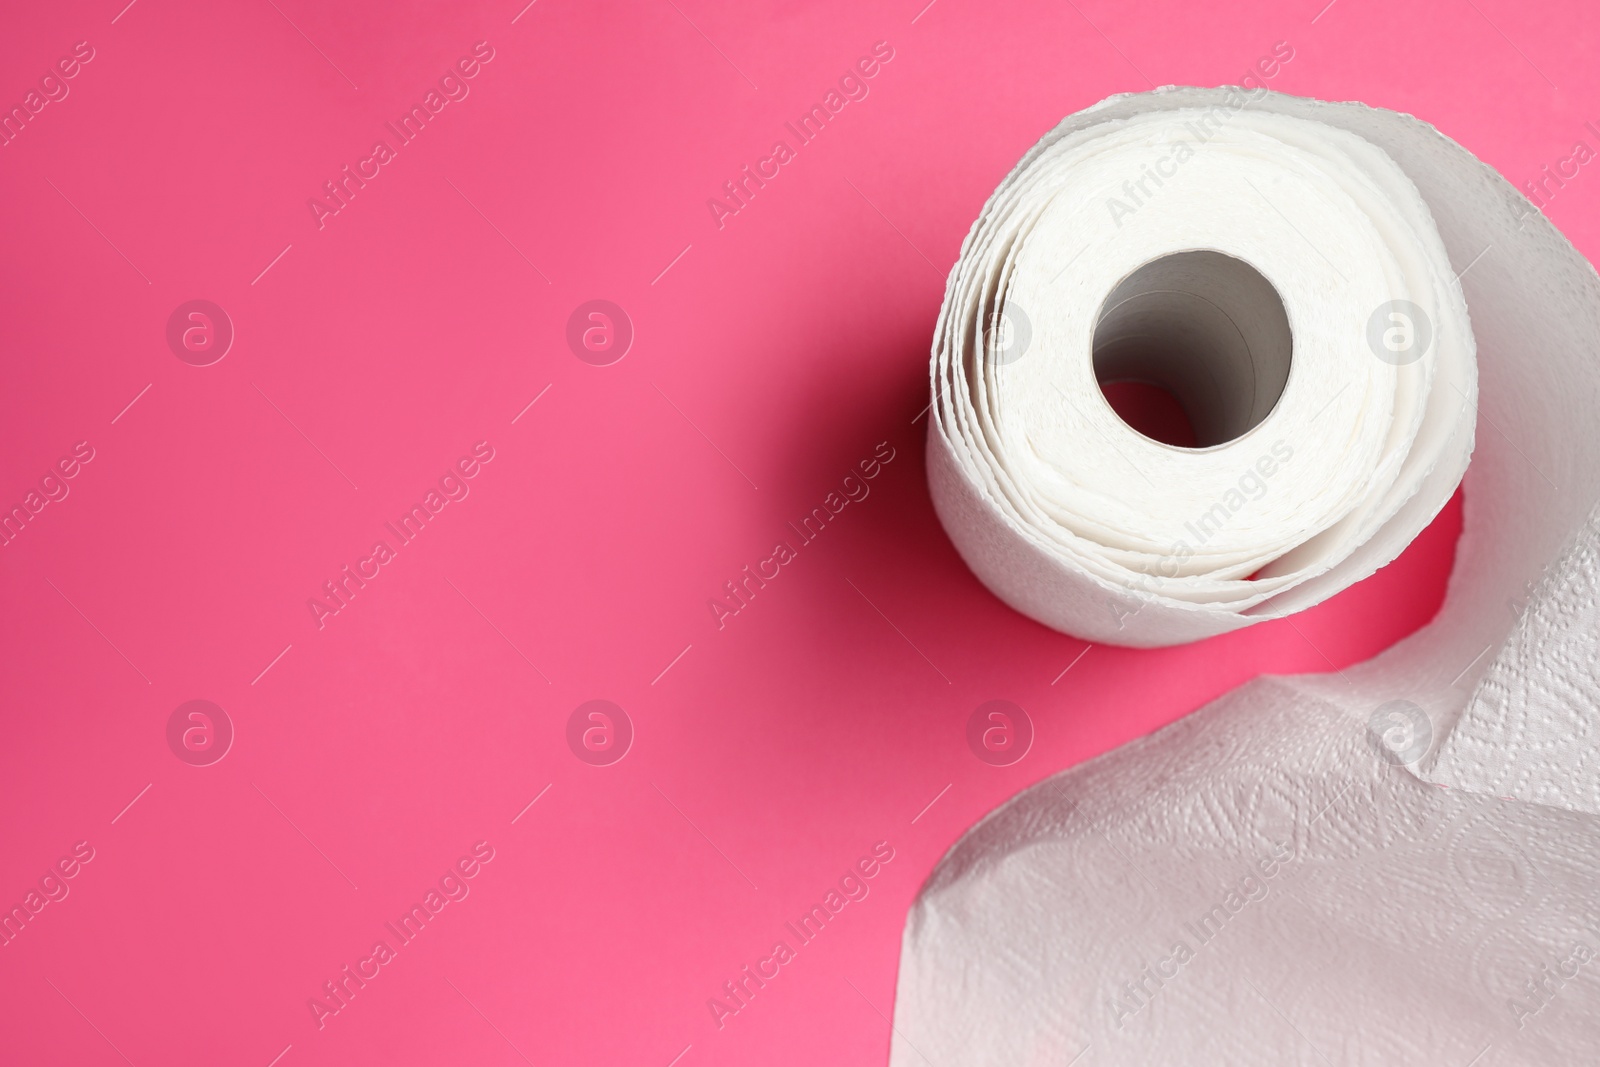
(1279, 878)
(1284, 280)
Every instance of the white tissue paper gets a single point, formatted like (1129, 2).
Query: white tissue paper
(1284, 280)
(1396, 863)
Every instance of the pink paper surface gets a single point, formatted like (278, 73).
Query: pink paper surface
(774, 351)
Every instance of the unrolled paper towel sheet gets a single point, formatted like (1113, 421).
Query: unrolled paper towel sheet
(1396, 863)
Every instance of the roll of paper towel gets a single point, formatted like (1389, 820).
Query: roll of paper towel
(1283, 279)
(1397, 863)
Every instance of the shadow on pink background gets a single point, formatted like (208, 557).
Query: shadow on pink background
(382, 349)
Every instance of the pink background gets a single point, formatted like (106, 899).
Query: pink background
(769, 358)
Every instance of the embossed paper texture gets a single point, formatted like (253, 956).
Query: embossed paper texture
(1395, 862)
(472, 591)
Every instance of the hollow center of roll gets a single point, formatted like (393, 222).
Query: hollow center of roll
(1205, 328)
